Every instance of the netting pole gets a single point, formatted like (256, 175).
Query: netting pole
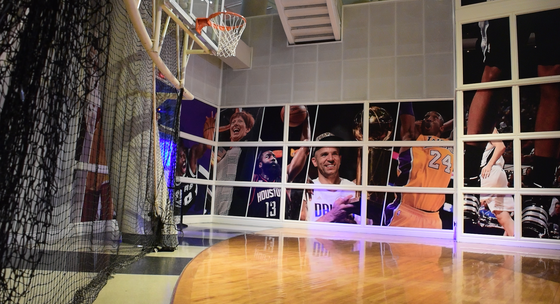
(178, 45)
(156, 26)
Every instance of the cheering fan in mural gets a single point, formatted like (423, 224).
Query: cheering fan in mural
(240, 124)
(420, 167)
(265, 201)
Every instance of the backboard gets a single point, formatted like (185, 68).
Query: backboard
(189, 10)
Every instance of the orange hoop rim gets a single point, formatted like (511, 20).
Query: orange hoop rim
(203, 22)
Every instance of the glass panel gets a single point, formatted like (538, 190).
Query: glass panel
(540, 217)
(381, 162)
(487, 110)
(423, 167)
(231, 200)
(381, 121)
(197, 117)
(327, 205)
(540, 164)
(193, 160)
(486, 51)
(334, 165)
(540, 110)
(336, 119)
(489, 164)
(470, 2)
(251, 124)
(428, 118)
(538, 43)
(420, 210)
(236, 163)
(192, 199)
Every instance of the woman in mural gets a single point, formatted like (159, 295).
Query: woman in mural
(492, 174)
(230, 160)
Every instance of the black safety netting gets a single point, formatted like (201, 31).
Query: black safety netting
(84, 153)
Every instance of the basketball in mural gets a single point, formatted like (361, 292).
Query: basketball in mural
(297, 115)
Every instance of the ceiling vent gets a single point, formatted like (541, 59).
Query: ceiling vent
(308, 21)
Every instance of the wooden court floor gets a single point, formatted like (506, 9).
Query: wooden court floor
(300, 266)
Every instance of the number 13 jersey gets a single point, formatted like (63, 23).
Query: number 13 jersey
(264, 201)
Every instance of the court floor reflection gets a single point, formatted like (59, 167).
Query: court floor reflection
(283, 265)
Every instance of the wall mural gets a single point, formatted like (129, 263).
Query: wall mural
(194, 159)
(329, 175)
(487, 58)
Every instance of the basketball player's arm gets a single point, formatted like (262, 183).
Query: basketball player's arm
(196, 151)
(209, 127)
(338, 212)
(298, 162)
(448, 125)
(499, 149)
(408, 122)
(303, 212)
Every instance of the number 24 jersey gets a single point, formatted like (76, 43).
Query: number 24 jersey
(425, 167)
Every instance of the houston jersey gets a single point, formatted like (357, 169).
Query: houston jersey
(425, 167)
(264, 201)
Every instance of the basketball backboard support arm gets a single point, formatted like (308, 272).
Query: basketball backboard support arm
(152, 46)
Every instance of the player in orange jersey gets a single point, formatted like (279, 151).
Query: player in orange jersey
(420, 167)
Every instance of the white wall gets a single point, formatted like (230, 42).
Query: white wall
(390, 50)
(203, 78)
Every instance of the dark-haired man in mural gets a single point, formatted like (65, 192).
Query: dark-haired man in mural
(184, 193)
(421, 166)
(324, 205)
(265, 201)
(187, 166)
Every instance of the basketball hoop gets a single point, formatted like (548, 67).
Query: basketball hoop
(229, 27)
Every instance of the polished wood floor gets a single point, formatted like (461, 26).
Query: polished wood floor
(299, 266)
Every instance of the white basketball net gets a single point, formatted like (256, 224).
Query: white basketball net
(229, 28)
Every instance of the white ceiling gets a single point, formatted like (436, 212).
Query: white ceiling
(235, 5)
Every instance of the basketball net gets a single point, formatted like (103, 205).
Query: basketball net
(229, 27)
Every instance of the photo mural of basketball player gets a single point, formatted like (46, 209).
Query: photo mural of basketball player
(236, 163)
(335, 119)
(193, 161)
(539, 56)
(98, 203)
(492, 213)
(539, 214)
(330, 205)
(328, 122)
(421, 166)
(265, 200)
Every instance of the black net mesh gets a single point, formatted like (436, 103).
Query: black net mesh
(85, 188)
